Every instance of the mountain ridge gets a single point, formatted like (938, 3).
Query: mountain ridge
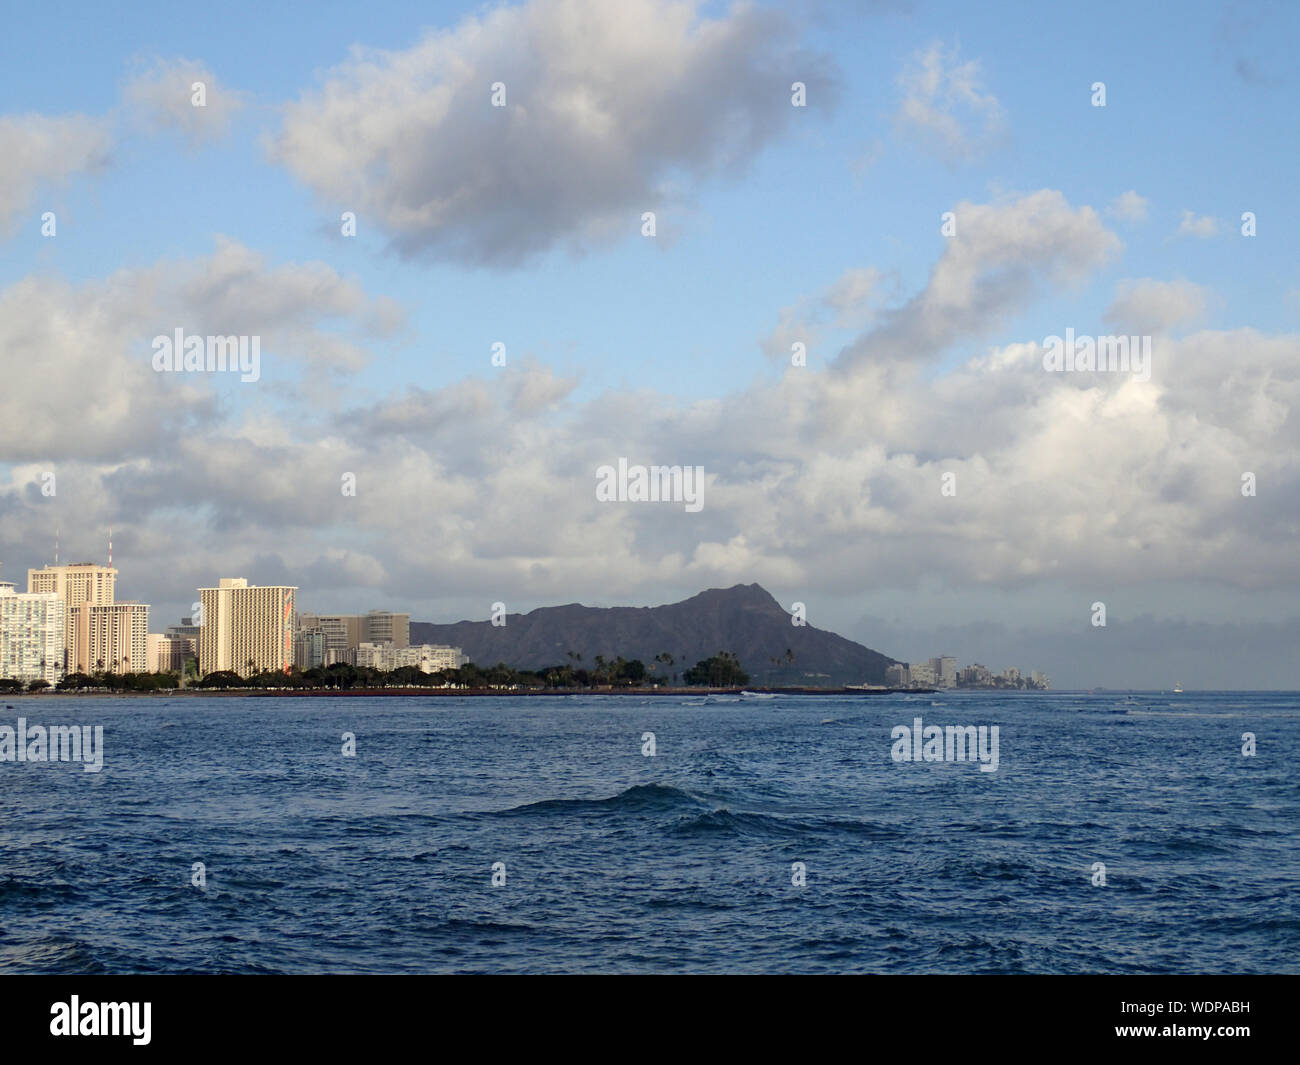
(744, 619)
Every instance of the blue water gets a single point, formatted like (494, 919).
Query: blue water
(619, 862)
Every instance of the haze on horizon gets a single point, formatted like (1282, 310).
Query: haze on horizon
(522, 225)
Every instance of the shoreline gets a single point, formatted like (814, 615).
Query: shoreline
(300, 693)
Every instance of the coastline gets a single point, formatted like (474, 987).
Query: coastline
(290, 693)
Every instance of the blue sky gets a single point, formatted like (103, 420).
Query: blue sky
(1200, 118)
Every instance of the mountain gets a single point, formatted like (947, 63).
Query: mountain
(745, 620)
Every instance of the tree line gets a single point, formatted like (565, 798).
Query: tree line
(722, 670)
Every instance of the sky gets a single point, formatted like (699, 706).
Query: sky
(957, 185)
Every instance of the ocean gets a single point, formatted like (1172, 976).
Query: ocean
(610, 860)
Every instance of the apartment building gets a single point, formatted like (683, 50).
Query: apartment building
(32, 643)
(246, 629)
(109, 637)
(74, 583)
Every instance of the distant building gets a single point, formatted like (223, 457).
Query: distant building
(168, 654)
(74, 583)
(347, 632)
(383, 626)
(309, 649)
(186, 629)
(32, 640)
(945, 671)
(246, 629)
(427, 658)
(896, 676)
(342, 632)
(109, 637)
(922, 676)
(431, 658)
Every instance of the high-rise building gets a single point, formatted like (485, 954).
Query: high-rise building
(945, 671)
(112, 637)
(342, 632)
(74, 584)
(309, 649)
(383, 626)
(896, 676)
(168, 654)
(922, 675)
(246, 629)
(32, 642)
(347, 632)
(186, 629)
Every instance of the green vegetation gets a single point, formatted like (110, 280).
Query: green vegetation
(721, 671)
(123, 682)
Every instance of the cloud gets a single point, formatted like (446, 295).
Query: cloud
(609, 110)
(945, 106)
(162, 99)
(37, 150)
(823, 482)
(1002, 255)
(1194, 225)
(91, 345)
(1146, 306)
(1129, 207)
(848, 302)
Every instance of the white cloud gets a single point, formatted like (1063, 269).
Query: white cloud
(1147, 305)
(1194, 225)
(90, 345)
(609, 108)
(162, 98)
(37, 150)
(1129, 207)
(1001, 258)
(826, 481)
(946, 107)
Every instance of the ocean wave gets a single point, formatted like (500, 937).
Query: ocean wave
(59, 955)
(641, 798)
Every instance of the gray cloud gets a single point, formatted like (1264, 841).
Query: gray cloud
(38, 150)
(610, 109)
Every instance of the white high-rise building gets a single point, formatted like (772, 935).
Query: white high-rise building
(31, 635)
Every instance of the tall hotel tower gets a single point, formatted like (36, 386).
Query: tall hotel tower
(77, 584)
(246, 629)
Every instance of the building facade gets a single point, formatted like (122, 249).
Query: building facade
(309, 649)
(347, 632)
(109, 637)
(427, 658)
(168, 654)
(246, 629)
(32, 638)
(75, 583)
